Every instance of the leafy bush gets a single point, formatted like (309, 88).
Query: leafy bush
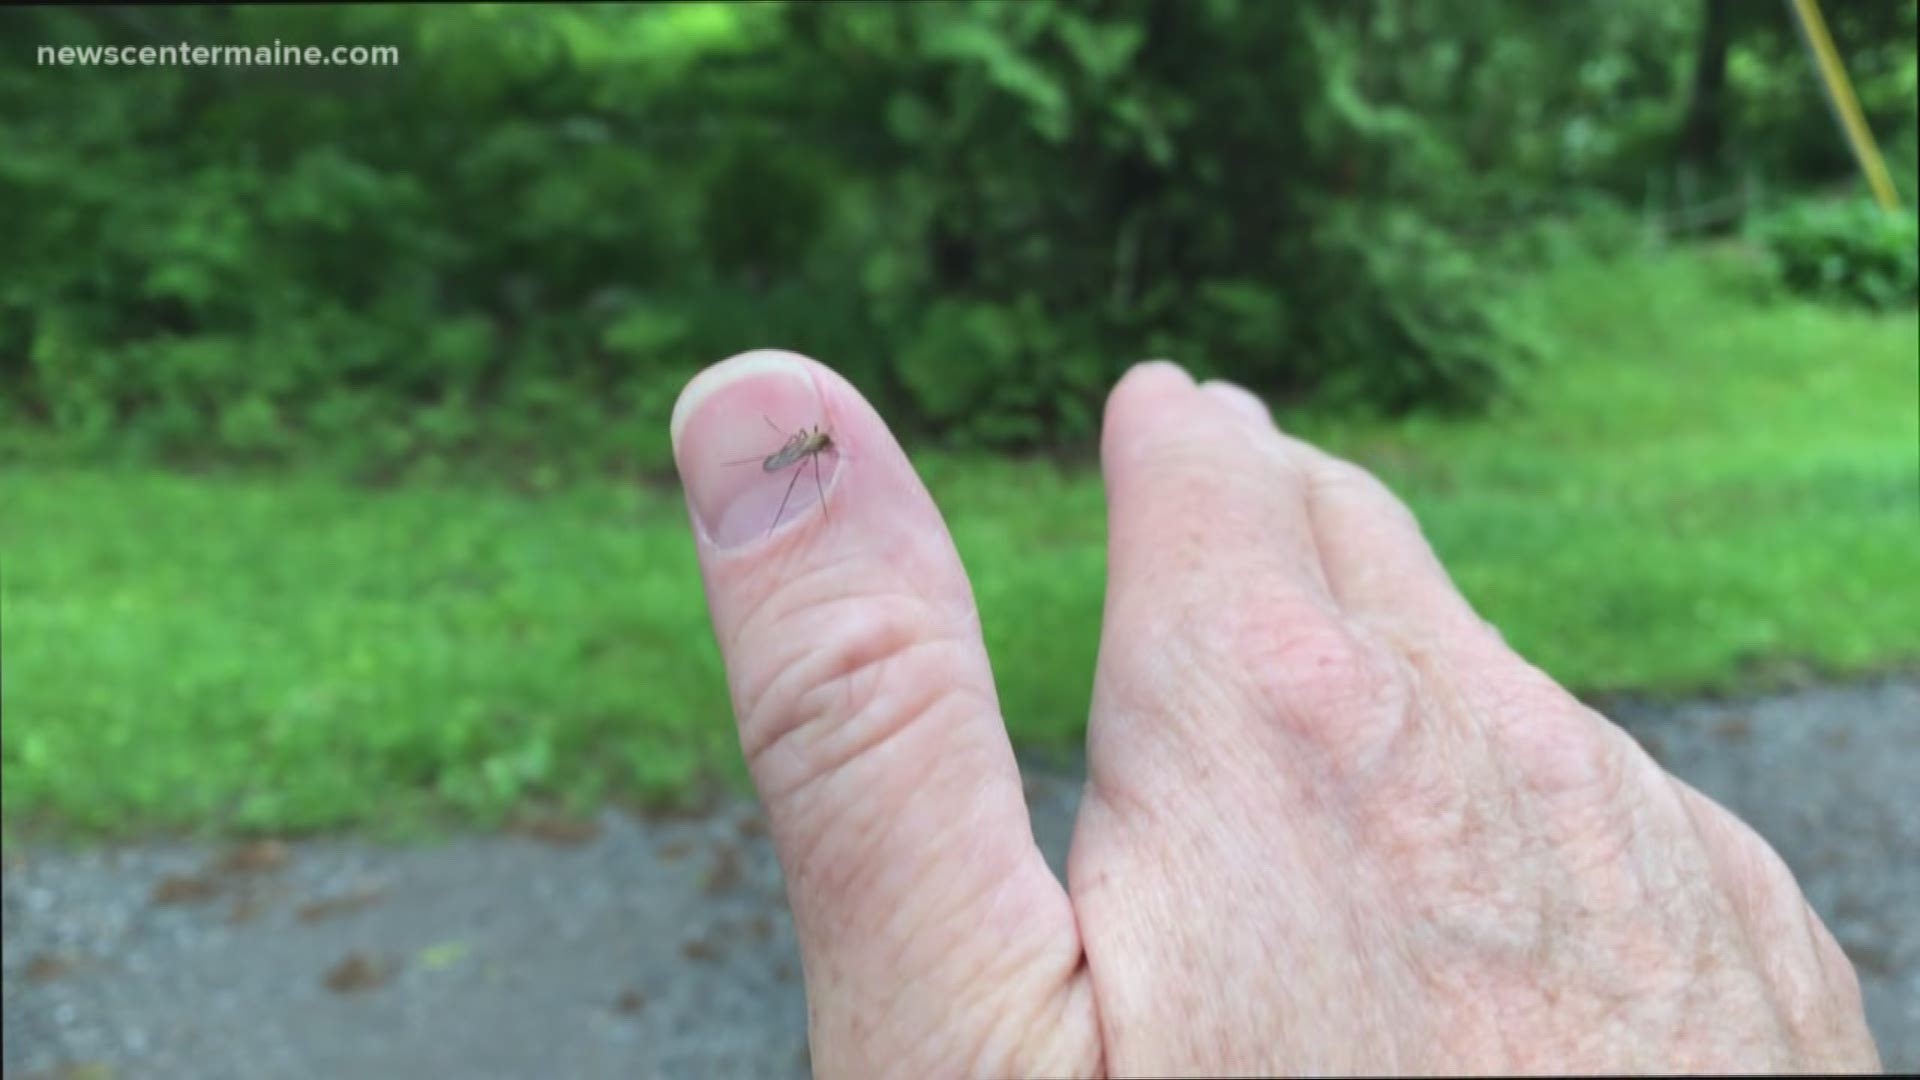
(1434, 338)
(1846, 250)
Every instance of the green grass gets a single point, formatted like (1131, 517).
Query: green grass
(1703, 487)
(298, 654)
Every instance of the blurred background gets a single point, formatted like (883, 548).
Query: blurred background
(335, 487)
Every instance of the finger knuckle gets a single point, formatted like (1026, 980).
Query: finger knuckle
(1308, 666)
(1576, 762)
(1563, 749)
(871, 669)
(1522, 695)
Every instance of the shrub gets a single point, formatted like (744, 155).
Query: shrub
(516, 245)
(1432, 337)
(1846, 250)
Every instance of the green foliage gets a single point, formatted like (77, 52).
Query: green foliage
(1435, 338)
(1497, 107)
(1848, 250)
(513, 247)
(1696, 488)
(1778, 117)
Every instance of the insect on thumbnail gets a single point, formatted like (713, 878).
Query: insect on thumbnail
(803, 445)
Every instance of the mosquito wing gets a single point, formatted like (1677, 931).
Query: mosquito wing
(795, 449)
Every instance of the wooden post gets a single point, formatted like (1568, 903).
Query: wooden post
(1846, 109)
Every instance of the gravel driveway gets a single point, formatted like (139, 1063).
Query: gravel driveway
(639, 948)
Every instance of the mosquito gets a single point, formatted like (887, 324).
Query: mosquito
(801, 445)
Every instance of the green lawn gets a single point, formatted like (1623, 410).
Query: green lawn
(1701, 489)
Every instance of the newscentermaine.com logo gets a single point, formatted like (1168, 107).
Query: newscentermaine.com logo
(274, 55)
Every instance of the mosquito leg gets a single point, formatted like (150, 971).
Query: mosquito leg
(772, 425)
(819, 486)
(783, 502)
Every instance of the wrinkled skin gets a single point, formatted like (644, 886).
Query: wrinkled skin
(1332, 823)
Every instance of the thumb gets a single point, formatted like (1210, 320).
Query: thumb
(931, 930)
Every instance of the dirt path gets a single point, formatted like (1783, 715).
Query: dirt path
(665, 949)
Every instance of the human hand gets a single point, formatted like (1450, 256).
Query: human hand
(1332, 824)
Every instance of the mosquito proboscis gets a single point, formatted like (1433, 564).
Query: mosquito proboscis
(805, 444)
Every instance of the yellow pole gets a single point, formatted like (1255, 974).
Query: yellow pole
(1840, 93)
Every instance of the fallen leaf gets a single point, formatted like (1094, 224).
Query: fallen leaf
(48, 966)
(435, 957)
(725, 873)
(258, 857)
(184, 889)
(560, 831)
(356, 972)
(700, 950)
(1737, 727)
(335, 906)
